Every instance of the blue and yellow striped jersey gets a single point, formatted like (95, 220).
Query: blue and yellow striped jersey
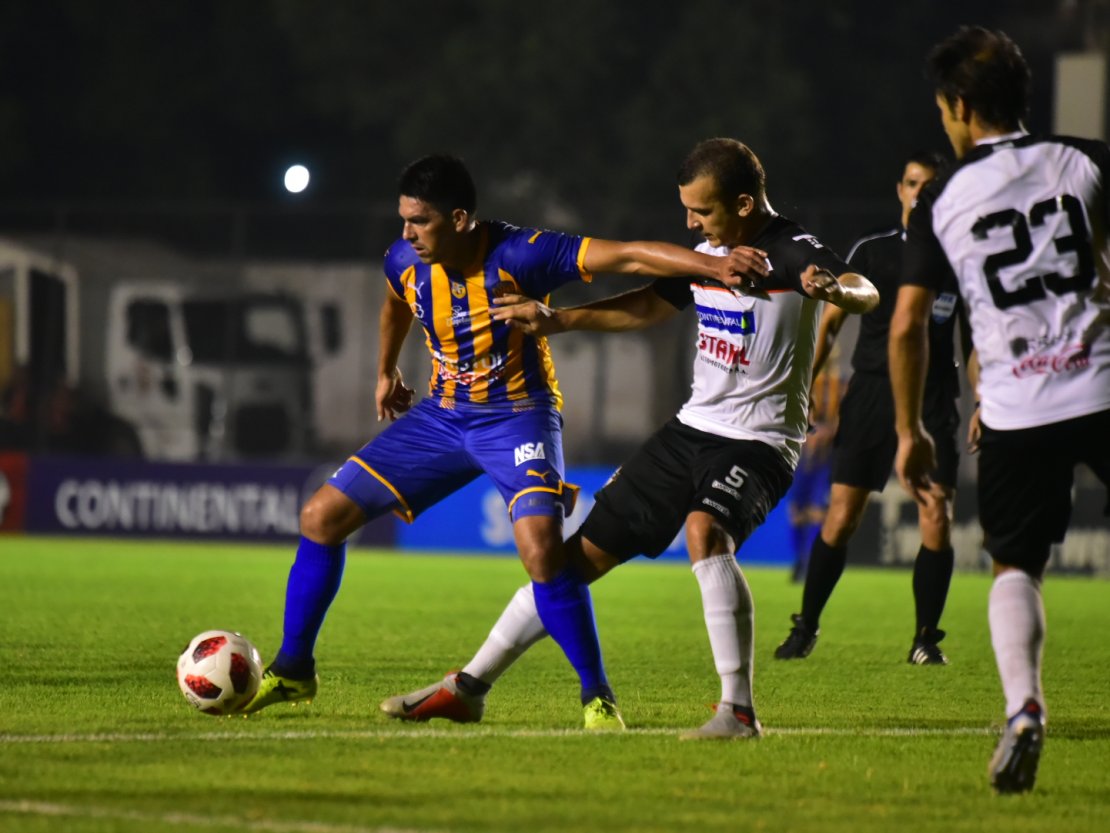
(475, 360)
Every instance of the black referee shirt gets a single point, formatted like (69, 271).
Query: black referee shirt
(878, 257)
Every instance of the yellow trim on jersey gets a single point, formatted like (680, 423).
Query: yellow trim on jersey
(404, 513)
(406, 281)
(587, 275)
(548, 364)
(570, 488)
(444, 328)
(481, 337)
(515, 383)
(535, 237)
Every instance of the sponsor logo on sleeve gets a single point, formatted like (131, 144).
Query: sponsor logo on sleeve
(944, 306)
(714, 505)
(728, 490)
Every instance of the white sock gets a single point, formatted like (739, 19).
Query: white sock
(517, 630)
(730, 621)
(1016, 614)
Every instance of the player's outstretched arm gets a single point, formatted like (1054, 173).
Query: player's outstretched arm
(851, 291)
(908, 358)
(391, 395)
(743, 266)
(630, 311)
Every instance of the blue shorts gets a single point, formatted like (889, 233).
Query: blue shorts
(431, 452)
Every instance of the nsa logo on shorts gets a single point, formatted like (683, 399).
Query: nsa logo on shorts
(528, 451)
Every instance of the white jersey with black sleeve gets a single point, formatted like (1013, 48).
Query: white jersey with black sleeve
(755, 355)
(1021, 222)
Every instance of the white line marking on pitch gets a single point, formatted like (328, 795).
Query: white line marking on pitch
(465, 734)
(43, 809)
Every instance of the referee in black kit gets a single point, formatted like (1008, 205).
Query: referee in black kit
(863, 451)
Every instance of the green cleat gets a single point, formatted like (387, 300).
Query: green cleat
(277, 689)
(602, 715)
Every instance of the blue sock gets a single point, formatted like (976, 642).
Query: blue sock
(567, 612)
(313, 582)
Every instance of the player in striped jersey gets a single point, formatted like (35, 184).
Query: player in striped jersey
(863, 451)
(1021, 224)
(492, 408)
(724, 461)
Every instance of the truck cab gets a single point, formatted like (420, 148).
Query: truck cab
(186, 359)
(209, 374)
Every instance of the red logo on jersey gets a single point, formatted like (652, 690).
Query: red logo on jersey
(1071, 358)
(724, 351)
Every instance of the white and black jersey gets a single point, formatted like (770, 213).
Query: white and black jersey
(1021, 223)
(755, 355)
(878, 257)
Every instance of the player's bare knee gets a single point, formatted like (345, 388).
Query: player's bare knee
(839, 526)
(539, 541)
(542, 564)
(327, 519)
(935, 521)
(706, 536)
(587, 559)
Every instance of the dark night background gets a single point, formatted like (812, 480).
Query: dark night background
(177, 119)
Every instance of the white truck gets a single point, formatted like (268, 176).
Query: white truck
(189, 362)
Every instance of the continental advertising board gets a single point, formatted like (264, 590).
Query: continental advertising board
(85, 496)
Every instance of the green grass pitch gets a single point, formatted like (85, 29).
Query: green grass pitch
(94, 735)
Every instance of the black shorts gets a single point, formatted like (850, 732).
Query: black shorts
(680, 470)
(865, 442)
(1025, 481)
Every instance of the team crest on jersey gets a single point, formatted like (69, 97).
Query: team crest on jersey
(528, 451)
(458, 289)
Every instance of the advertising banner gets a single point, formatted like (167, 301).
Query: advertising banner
(13, 491)
(179, 500)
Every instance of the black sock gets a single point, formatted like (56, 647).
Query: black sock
(825, 566)
(932, 574)
(471, 685)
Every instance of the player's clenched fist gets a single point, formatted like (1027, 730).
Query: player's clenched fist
(392, 397)
(745, 269)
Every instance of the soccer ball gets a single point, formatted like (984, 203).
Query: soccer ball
(219, 672)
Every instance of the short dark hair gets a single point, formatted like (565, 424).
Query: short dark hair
(926, 159)
(732, 164)
(987, 70)
(441, 180)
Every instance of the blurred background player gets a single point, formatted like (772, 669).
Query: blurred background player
(808, 498)
(493, 408)
(863, 451)
(1021, 224)
(724, 461)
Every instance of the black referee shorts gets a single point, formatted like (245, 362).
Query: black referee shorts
(865, 442)
(1025, 481)
(680, 470)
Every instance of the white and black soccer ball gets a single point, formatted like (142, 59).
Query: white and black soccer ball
(219, 672)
